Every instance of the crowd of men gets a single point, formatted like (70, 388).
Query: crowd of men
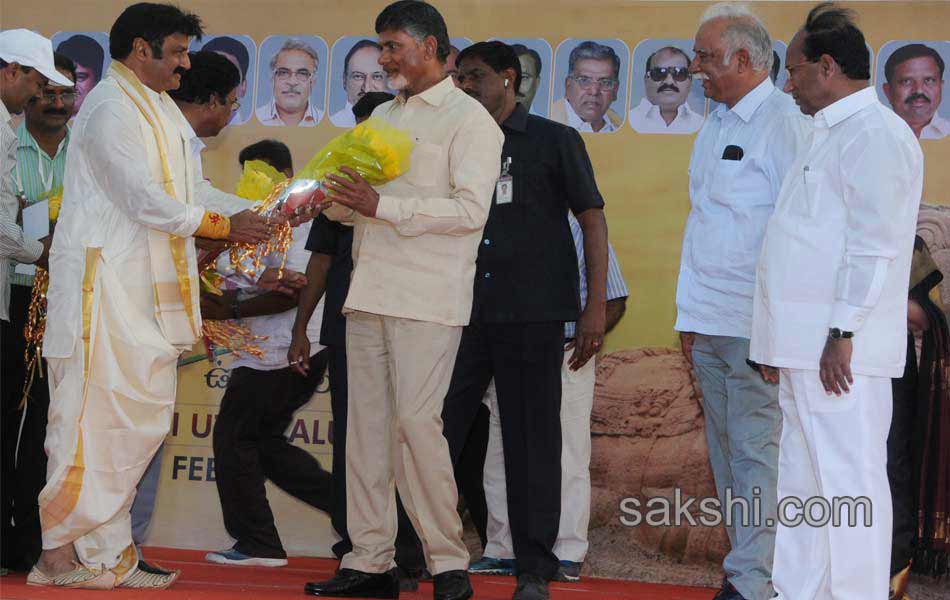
(458, 309)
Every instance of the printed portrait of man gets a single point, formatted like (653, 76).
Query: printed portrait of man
(667, 82)
(914, 86)
(361, 74)
(237, 53)
(89, 58)
(530, 74)
(591, 85)
(293, 71)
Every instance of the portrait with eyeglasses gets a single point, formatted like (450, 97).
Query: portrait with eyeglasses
(89, 51)
(590, 77)
(354, 71)
(291, 81)
(535, 56)
(665, 98)
(241, 50)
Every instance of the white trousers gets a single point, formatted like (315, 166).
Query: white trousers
(833, 447)
(577, 400)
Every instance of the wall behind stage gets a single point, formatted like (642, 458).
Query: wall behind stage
(642, 177)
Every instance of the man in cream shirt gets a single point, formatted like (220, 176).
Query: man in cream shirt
(414, 249)
(830, 312)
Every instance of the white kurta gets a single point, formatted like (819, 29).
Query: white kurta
(837, 253)
(106, 423)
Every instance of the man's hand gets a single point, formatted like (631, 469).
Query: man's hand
(589, 336)
(304, 213)
(835, 366)
(917, 320)
(248, 227)
(769, 374)
(283, 281)
(686, 345)
(43, 260)
(298, 356)
(210, 245)
(218, 308)
(353, 193)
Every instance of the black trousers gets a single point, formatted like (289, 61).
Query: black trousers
(470, 473)
(900, 463)
(250, 447)
(24, 466)
(525, 361)
(409, 553)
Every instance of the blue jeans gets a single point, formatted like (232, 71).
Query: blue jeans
(743, 426)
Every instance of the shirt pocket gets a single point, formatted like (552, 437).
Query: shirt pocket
(425, 164)
(813, 181)
(724, 174)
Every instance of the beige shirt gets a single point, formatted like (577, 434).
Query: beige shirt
(416, 259)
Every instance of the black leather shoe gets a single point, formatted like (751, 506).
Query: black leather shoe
(452, 585)
(152, 569)
(350, 583)
(408, 578)
(728, 592)
(531, 587)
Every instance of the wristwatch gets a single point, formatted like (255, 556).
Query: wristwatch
(836, 334)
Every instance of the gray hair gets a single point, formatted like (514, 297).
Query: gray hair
(295, 44)
(591, 50)
(744, 31)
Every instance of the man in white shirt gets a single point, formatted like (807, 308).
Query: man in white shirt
(830, 312)
(123, 301)
(361, 74)
(591, 85)
(739, 160)
(667, 83)
(914, 87)
(293, 70)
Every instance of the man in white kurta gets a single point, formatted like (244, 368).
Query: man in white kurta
(835, 263)
(123, 303)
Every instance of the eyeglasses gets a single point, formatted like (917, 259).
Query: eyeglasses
(283, 74)
(606, 84)
(360, 77)
(51, 97)
(659, 74)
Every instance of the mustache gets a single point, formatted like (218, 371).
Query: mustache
(667, 86)
(56, 111)
(917, 96)
(180, 71)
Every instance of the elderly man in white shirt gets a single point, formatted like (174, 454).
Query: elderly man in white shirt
(738, 162)
(667, 83)
(830, 311)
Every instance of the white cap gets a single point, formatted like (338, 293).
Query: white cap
(29, 49)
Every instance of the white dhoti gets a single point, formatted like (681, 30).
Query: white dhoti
(833, 447)
(102, 434)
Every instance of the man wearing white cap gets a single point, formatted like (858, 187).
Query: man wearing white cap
(26, 66)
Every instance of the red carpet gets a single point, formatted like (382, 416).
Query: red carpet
(201, 580)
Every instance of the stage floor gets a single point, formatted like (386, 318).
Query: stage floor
(204, 581)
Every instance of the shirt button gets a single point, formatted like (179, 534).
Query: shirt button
(487, 275)
(487, 242)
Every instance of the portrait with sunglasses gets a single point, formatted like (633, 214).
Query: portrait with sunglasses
(667, 84)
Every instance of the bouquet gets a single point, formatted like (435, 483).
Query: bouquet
(374, 149)
(35, 326)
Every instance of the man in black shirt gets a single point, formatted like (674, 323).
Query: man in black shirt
(526, 288)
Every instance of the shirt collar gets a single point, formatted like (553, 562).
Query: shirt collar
(307, 116)
(653, 111)
(435, 95)
(193, 139)
(25, 139)
(517, 120)
(939, 126)
(746, 107)
(838, 111)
